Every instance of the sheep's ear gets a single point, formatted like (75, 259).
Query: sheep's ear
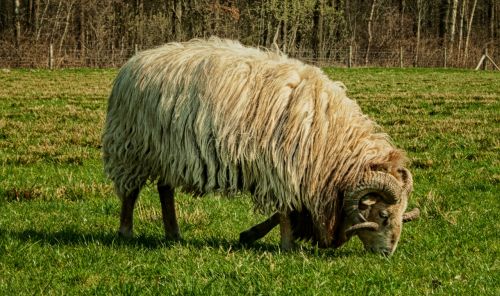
(367, 201)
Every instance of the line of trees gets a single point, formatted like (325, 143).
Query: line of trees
(311, 28)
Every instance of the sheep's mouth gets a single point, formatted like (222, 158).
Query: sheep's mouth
(386, 252)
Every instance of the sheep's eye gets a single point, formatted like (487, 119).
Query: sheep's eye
(384, 214)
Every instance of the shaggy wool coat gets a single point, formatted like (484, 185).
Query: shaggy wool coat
(218, 116)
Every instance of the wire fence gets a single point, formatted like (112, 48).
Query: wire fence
(53, 57)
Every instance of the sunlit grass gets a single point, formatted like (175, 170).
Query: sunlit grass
(59, 215)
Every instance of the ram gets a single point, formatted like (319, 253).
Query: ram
(216, 116)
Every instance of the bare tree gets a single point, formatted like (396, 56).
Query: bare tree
(307, 28)
(81, 30)
(215, 26)
(40, 26)
(370, 37)
(17, 22)
(177, 7)
(36, 15)
(318, 28)
(453, 22)
(140, 21)
(66, 26)
(493, 16)
(285, 25)
(420, 14)
(295, 21)
(461, 27)
(444, 19)
(469, 29)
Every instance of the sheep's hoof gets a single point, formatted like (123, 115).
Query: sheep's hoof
(125, 234)
(288, 246)
(176, 237)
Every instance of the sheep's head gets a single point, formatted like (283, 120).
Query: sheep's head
(375, 210)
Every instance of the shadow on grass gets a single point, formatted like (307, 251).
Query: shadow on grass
(74, 237)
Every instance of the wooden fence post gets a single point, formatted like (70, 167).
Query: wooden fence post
(401, 57)
(349, 61)
(51, 56)
(486, 60)
(445, 57)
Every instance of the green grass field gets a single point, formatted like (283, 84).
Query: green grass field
(59, 215)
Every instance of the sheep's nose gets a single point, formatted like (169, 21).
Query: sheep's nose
(386, 252)
(382, 251)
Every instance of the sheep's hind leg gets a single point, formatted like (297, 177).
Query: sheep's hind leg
(166, 193)
(260, 230)
(127, 213)
(286, 231)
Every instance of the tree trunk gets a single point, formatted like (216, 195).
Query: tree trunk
(139, 22)
(36, 15)
(276, 37)
(55, 28)
(453, 22)
(469, 29)
(318, 29)
(81, 32)
(420, 10)
(17, 22)
(4, 14)
(66, 26)
(285, 25)
(493, 5)
(30, 15)
(461, 27)
(215, 26)
(269, 30)
(41, 21)
(177, 30)
(293, 38)
(402, 8)
(444, 13)
(370, 37)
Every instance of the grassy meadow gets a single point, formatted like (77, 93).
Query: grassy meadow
(59, 215)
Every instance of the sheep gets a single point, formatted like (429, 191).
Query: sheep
(216, 116)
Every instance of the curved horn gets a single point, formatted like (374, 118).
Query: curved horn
(361, 226)
(407, 180)
(382, 183)
(411, 215)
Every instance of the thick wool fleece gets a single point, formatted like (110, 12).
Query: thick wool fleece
(213, 115)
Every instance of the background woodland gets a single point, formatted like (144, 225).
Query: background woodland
(104, 33)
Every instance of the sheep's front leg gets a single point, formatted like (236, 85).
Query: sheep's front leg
(127, 213)
(286, 232)
(260, 230)
(169, 217)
